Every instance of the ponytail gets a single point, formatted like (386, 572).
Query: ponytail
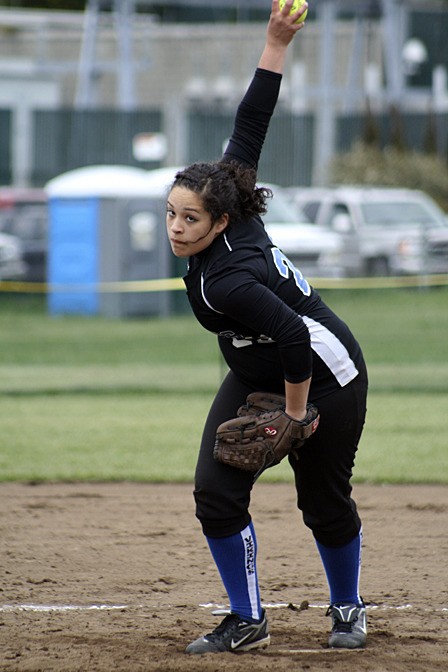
(225, 187)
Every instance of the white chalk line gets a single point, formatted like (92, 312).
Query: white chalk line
(219, 608)
(62, 607)
(319, 651)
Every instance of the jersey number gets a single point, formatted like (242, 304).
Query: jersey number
(284, 266)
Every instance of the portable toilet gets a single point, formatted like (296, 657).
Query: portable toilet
(105, 233)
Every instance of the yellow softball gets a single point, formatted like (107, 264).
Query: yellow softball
(295, 8)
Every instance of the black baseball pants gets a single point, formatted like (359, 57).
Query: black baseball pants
(322, 468)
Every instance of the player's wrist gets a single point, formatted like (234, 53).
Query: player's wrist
(297, 414)
(273, 59)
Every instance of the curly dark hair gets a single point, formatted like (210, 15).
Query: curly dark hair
(225, 187)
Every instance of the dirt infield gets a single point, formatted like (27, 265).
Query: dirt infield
(115, 577)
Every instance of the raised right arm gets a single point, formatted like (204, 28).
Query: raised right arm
(255, 110)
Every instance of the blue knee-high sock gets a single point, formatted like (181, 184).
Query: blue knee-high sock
(236, 557)
(343, 567)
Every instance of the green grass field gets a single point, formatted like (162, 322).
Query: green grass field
(97, 399)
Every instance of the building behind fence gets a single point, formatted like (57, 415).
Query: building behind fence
(188, 80)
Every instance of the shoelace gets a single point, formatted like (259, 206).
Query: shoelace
(228, 625)
(340, 625)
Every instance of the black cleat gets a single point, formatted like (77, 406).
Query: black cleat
(349, 629)
(233, 634)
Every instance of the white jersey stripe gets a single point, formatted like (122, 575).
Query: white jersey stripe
(226, 240)
(331, 351)
(205, 298)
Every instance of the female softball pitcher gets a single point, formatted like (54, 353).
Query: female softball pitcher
(276, 336)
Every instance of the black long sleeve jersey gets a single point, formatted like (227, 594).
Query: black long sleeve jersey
(271, 324)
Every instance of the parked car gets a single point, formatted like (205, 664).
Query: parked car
(385, 231)
(24, 214)
(314, 250)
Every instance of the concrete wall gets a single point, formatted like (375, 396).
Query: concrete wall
(170, 60)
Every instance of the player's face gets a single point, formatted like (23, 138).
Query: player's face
(190, 227)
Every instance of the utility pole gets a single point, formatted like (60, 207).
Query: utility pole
(89, 68)
(330, 98)
(325, 132)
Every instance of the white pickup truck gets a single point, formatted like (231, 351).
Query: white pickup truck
(385, 231)
(313, 249)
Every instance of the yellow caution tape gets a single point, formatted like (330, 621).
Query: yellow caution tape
(174, 284)
(390, 282)
(157, 285)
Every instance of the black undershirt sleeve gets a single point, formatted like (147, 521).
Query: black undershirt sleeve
(253, 117)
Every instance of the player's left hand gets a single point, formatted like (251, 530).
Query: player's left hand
(255, 442)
